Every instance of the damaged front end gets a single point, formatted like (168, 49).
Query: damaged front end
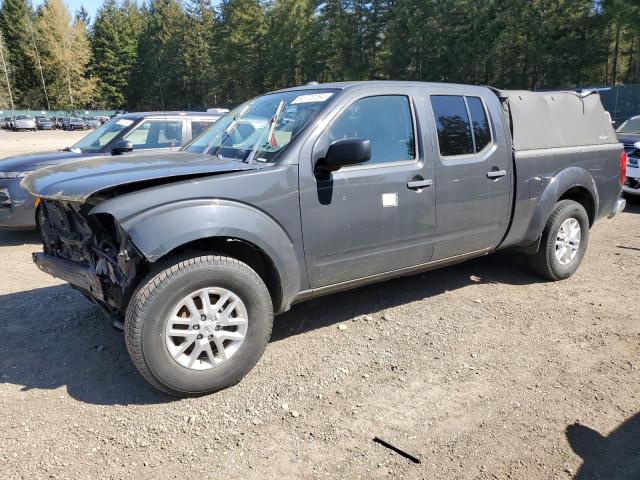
(91, 252)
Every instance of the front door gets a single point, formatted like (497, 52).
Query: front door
(376, 217)
(473, 175)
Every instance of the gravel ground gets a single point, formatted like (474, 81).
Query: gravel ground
(481, 370)
(16, 143)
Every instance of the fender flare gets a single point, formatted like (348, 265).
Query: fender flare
(157, 231)
(556, 187)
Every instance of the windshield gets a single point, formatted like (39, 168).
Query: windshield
(102, 135)
(630, 126)
(23, 117)
(261, 128)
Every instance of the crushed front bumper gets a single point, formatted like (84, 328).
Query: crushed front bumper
(617, 207)
(80, 276)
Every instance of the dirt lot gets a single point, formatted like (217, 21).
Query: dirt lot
(480, 370)
(15, 143)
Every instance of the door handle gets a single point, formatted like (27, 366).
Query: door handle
(417, 184)
(495, 174)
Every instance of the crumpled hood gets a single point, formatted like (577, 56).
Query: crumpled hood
(18, 163)
(76, 181)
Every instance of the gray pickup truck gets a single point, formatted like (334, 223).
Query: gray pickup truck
(311, 190)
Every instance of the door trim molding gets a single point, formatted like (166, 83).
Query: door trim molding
(380, 277)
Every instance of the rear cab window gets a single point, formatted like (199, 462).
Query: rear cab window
(462, 124)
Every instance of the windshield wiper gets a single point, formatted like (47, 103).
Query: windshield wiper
(229, 130)
(273, 121)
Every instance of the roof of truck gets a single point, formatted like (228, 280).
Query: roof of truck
(538, 120)
(380, 83)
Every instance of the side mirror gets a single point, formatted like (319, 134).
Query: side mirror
(348, 151)
(123, 146)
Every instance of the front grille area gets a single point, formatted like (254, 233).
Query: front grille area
(65, 232)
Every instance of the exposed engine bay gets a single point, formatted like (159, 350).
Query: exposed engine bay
(93, 253)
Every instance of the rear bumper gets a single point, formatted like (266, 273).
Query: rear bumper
(79, 276)
(617, 207)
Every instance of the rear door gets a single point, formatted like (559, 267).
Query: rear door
(376, 217)
(472, 174)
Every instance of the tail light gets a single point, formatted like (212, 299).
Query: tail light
(623, 167)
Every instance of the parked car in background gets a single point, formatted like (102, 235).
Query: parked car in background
(24, 122)
(629, 135)
(76, 123)
(91, 122)
(44, 123)
(102, 119)
(149, 132)
(362, 182)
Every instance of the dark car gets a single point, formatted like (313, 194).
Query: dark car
(629, 136)
(76, 123)
(152, 131)
(92, 122)
(311, 190)
(44, 123)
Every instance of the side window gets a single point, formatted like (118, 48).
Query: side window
(452, 122)
(386, 121)
(156, 134)
(199, 126)
(457, 134)
(480, 123)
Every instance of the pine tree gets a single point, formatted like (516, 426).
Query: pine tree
(16, 23)
(290, 34)
(242, 46)
(6, 95)
(65, 54)
(199, 50)
(84, 17)
(114, 44)
(158, 78)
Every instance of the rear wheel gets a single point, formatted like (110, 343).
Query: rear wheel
(564, 242)
(198, 324)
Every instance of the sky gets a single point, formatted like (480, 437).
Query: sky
(74, 5)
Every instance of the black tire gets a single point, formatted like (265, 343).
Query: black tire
(631, 198)
(544, 262)
(149, 309)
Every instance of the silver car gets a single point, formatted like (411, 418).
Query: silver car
(24, 122)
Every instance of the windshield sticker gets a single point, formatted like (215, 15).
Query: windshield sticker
(124, 122)
(311, 98)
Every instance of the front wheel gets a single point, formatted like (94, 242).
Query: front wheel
(198, 324)
(564, 242)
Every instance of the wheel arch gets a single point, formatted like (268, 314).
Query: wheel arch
(219, 226)
(572, 183)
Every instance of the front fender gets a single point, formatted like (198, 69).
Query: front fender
(158, 231)
(556, 186)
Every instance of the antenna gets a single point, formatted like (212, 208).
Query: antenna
(164, 110)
